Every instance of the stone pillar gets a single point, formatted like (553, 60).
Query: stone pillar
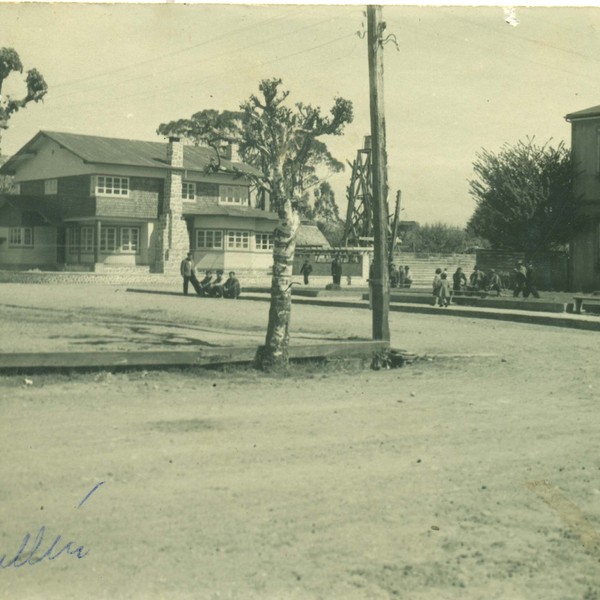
(172, 237)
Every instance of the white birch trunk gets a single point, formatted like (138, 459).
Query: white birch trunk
(275, 351)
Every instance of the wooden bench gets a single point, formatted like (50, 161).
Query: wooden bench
(580, 300)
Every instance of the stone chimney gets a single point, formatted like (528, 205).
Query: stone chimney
(173, 238)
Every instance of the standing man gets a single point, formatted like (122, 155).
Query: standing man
(336, 270)
(530, 287)
(306, 270)
(188, 272)
(520, 276)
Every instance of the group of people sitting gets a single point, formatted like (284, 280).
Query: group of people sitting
(478, 281)
(400, 277)
(213, 287)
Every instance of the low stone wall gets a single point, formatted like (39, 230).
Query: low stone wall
(423, 266)
(551, 268)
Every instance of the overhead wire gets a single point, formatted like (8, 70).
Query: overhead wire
(175, 52)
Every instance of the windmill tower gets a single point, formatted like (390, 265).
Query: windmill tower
(359, 215)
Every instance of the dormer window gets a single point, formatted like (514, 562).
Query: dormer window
(51, 187)
(188, 190)
(107, 185)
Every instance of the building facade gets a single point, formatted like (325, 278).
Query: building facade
(585, 246)
(94, 203)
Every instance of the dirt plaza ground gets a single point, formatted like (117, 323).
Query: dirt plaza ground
(472, 474)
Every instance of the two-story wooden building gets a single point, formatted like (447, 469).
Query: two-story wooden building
(94, 203)
(585, 247)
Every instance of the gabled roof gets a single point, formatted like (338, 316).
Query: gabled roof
(136, 153)
(586, 113)
(310, 235)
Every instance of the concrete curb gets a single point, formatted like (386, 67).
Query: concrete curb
(573, 321)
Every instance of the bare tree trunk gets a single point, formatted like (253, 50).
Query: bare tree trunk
(275, 351)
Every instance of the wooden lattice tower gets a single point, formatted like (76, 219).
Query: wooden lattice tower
(359, 215)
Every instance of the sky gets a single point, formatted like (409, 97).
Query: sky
(461, 78)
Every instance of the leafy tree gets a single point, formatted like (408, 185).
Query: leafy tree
(303, 207)
(36, 87)
(283, 143)
(524, 194)
(326, 208)
(333, 232)
(439, 238)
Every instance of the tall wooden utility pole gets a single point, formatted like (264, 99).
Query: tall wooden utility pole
(395, 223)
(380, 282)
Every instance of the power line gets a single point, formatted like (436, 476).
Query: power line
(170, 89)
(175, 52)
(181, 66)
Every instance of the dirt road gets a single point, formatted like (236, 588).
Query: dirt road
(474, 475)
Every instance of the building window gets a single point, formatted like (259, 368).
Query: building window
(264, 241)
(112, 186)
(238, 240)
(108, 239)
(15, 189)
(233, 194)
(20, 237)
(209, 238)
(130, 239)
(87, 239)
(72, 242)
(188, 190)
(51, 187)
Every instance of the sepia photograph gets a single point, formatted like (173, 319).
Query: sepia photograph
(299, 302)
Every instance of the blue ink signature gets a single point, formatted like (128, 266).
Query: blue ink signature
(27, 557)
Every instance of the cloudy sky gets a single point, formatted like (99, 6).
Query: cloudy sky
(462, 78)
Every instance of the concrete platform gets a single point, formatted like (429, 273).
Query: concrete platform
(514, 313)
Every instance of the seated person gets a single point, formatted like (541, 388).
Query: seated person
(494, 282)
(216, 285)
(476, 279)
(393, 276)
(204, 285)
(231, 288)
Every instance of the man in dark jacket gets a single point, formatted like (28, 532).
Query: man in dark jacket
(520, 279)
(231, 288)
(530, 287)
(204, 285)
(306, 270)
(336, 270)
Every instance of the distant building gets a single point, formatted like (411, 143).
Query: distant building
(585, 247)
(94, 203)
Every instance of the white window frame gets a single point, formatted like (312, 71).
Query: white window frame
(263, 241)
(133, 245)
(72, 241)
(188, 190)
(20, 237)
(238, 239)
(86, 239)
(234, 194)
(202, 237)
(111, 185)
(104, 239)
(50, 187)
